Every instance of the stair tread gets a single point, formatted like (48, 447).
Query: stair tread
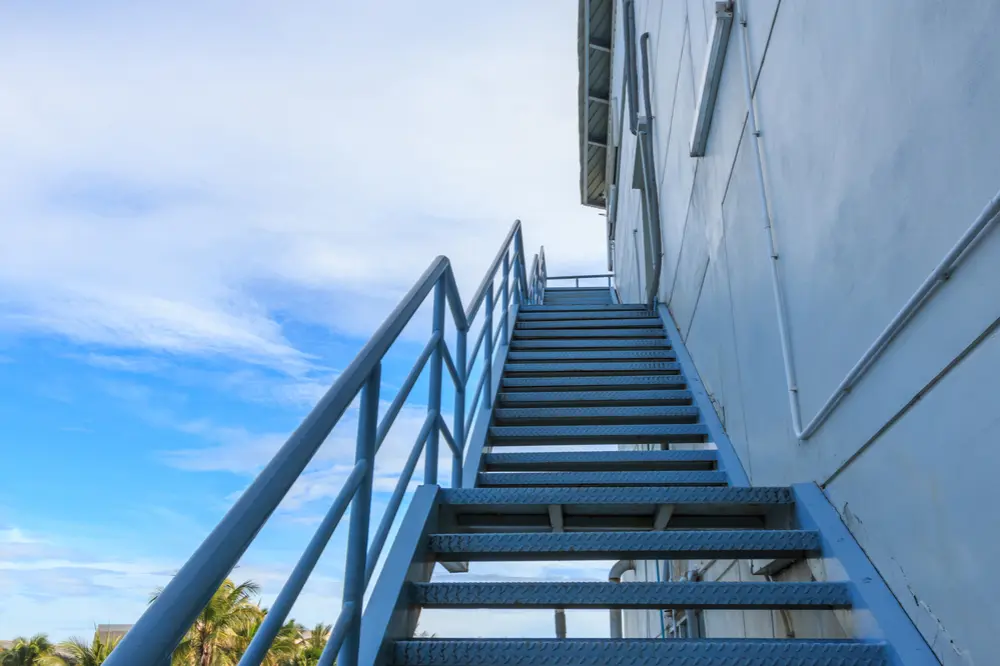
(558, 324)
(600, 307)
(554, 397)
(604, 478)
(620, 380)
(581, 413)
(694, 544)
(592, 366)
(527, 333)
(595, 343)
(701, 595)
(638, 652)
(507, 435)
(595, 496)
(550, 315)
(604, 460)
(586, 355)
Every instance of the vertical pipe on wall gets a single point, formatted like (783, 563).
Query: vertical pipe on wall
(615, 576)
(779, 297)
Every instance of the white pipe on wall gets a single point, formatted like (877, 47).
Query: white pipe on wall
(984, 222)
(615, 576)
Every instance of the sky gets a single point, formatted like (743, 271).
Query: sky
(206, 209)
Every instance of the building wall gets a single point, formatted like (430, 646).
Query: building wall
(881, 145)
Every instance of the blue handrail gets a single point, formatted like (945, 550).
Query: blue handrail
(155, 635)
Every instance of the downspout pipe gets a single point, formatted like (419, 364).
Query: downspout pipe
(986, 220)
(615, 576)
(649, 177)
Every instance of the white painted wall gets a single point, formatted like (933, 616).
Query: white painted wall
(881, 141)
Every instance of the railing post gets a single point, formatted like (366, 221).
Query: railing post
(488, 347)
(357, 538)
(521, 271)
(459, 424)
(504, 292)
(434, 389)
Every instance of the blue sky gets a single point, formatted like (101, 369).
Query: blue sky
(206, 208)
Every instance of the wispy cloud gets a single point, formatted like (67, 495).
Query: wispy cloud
(186, 216)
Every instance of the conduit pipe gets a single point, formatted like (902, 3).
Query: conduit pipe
(983, 223)
(615, 576)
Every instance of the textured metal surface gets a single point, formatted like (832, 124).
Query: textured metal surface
(608, 434)
(604, 460)
(526, 333)
(642, 322)
(684, 413)
(593, 496)
(594, 366)
(679, 544)
(637, 652)
(615, 397)
(632, 343)
(627, 380)
(600, 307)
(604, 478)
(705, 595)
(614, 315)
(591, 355)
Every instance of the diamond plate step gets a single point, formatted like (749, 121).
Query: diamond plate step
(595, 344)
(641, 322)
(638, 652)
(583, 461)
(672, 544)
(694, 596)
(527, 333)
(498, 497)
(596, 434)
(594, 367)
(596, 381)
(603, 508)
(555, 315)
(590, 355)
(609, 307)
(586, 479)
(597, 397)
(660, 414)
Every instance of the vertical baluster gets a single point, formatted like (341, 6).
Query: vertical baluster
(488, 347)
(434, 390)
(458, 429)
(504, 290)
(357, 539)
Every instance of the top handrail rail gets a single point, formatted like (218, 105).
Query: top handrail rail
(164, 623)
(480, 293)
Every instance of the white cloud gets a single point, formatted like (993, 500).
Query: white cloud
(301, 162)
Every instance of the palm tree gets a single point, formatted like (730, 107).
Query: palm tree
(211, 639)
(34, 651)
(284, 647)
(312, 647)
(94, 654)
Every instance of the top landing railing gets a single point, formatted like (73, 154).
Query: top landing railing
(166, 620)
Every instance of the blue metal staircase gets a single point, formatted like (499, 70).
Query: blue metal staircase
(568, 368)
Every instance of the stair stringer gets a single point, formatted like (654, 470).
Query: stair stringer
(389, 614)
(876, 614)
(729, 462)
